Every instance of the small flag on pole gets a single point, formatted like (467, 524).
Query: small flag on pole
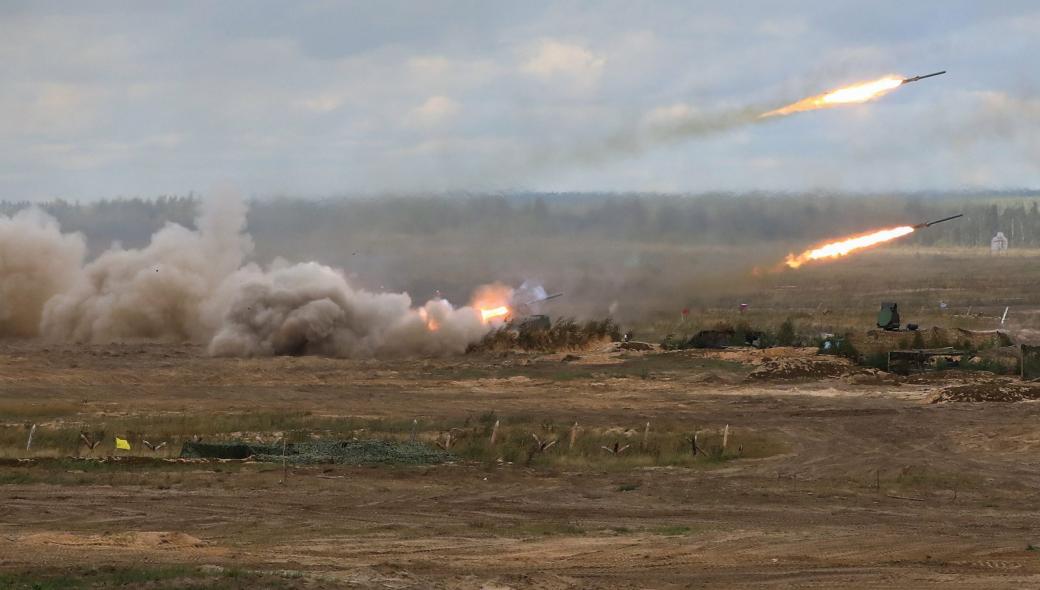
(122, 443)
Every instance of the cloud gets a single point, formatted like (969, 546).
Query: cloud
(149, 98)
(555, 61)
(322, 103)
(435, 110)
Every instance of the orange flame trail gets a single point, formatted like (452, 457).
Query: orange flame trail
(855, 93)
(496, 312)
(847, 246)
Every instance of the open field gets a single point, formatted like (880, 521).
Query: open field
(824, 482)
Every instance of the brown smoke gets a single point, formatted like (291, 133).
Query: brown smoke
(37, 262)
(191, 285)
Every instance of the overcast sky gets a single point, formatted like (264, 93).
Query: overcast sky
(101, 99)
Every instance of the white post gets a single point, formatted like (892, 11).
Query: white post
(725, 437)
(494, 431)
(28, 444)
(1004, 317)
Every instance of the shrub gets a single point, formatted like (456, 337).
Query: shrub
(785, 336)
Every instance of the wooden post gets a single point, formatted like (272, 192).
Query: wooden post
(415, 426)
(28, 443)
(574, 435)
(725, 437)
(646, 435)
(494, 431)
(285, 466)
(694, 443)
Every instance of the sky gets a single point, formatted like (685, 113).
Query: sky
(320, 98)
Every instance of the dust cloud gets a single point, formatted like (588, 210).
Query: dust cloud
(194, 285)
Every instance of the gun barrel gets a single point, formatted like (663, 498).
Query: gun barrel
(916, 78)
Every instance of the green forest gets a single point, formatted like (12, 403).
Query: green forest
(693, 219)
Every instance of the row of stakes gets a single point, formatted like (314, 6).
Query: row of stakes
(449, 439)
(91, 443)
(543, 445)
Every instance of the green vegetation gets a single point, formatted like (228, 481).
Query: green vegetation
(519, 440)
(169, 577)
(785, 336)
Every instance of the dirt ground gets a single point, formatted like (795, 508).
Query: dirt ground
(870, 484)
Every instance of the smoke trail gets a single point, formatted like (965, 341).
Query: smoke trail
(660, 128)
(670, 126)
(192, 285)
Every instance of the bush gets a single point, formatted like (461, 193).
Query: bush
(785, 336)
(563, 334)
(918, 341)
(877, 360)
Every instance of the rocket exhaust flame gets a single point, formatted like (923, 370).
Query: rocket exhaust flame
(855, 93)
(847, 246)
(832, 250)
(495, 312)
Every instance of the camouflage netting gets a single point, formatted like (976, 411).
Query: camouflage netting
(321, 452)
(876, 341)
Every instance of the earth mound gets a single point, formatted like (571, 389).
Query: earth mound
(996, 390)
(819, 367)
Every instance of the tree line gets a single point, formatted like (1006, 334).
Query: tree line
(694, 219)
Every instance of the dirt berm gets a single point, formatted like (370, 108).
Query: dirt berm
(995, 390)
(816, 367)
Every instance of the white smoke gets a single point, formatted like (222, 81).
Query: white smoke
(191, 285)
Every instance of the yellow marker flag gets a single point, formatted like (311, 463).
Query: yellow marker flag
(122, 443)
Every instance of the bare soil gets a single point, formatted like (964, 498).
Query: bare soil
(871, 485)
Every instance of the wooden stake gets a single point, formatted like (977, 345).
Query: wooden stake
(494, 431)
(415, 426)
(28, 444)
(725, 437)
(574, 435)
(285, 466)
(646, 435)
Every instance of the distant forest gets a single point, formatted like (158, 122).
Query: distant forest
(693, 219)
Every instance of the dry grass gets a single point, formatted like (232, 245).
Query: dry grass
(516, 442)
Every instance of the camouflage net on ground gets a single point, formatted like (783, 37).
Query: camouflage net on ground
(322, 452)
